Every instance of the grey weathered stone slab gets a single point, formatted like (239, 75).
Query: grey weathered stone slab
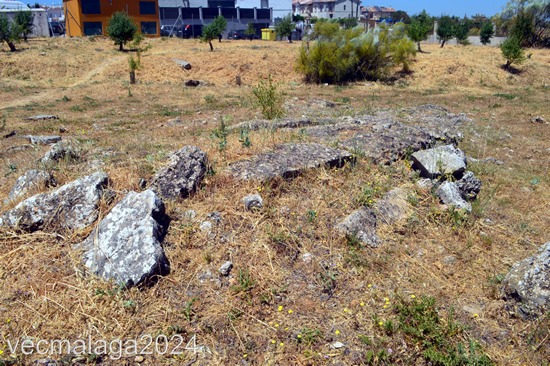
(30, 182)
(438, 161)
(361, 224)
(449, 194)
(125, 247)
(469, 186)
(288, 160)
(41, 117)
(225, 269)
(528, 282)
(182, 174)
(43, 140)
(72, 206)
(63, 150)
(393, 207)
(390, 143)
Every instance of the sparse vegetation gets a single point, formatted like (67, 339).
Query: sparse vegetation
(9, 31)
(268, 98)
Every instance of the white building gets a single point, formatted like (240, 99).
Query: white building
(41, 28)
(327, 9)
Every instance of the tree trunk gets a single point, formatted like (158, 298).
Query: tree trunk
(132, 77)
(211, 48)
(12, 46)
(508, 63)
(419, 49)
(120, 49)
(442, 43)
(290, 38)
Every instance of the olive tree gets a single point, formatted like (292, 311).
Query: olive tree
(25, 20)
(10, 31)
(486, 33)
(213, 30)
(284, 29)
(121, 28)
(512, 52)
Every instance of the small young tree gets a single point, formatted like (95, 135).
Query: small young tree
(213, 30)
(461, 31)
(512, 52)
(418, 31)
(486, 33)
(25, 20)
(250, 30)
(121, 28)
(9, 32)
(445, 29)
(284, 29)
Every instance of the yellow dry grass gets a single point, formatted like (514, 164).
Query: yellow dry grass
(44, 295)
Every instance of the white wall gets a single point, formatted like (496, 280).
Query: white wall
(41, 27)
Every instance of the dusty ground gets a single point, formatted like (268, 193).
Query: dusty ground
(84, 82)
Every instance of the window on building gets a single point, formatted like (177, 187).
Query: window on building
(148, 27)
(147, 7)
(344, 7)
(265, 4)
(91, 7)
(93, 29)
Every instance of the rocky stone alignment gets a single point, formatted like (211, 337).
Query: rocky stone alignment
(527, 285)
(30, 182)
(288, 160)
(72, 206)
(125, 246)
(384, 137)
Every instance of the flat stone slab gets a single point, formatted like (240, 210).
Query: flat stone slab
(442, 160)
(30, 182)
(528, 282)
(43, 140)
(288, 160)
(361, 224)
(125, 247)
(393, 207)
(41, 117)
(182, 174)
(449, 194)
(72, 206)
(184, 64)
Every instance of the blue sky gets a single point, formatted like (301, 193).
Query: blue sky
(433, 7)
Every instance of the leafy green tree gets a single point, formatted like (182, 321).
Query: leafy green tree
(486, 33)
(461, 31)
(523, 28)
(213, 30)
(250, 30)
(419, 30)
(121, 28)
(402, 16)
(10, 32)
(285, 28)
(445, 29)
(512, 52)
(25, 20)
(527, 19)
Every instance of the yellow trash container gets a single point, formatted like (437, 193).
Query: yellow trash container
(269, 34)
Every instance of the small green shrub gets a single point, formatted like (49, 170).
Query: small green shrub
(486, 33)
(269, 99)
(512, 52)
(121, 28)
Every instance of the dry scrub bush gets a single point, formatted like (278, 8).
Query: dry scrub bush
(341, 55)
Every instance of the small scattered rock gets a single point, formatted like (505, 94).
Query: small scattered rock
(182, 174)
(469, 186)
(538, 119)
(184, 64)
(30, 182)
(192, 83)
(72, 206)
(43, 140)
(226, 268)
(472, 309)
(438, 161)
(63, 150)
(307, 257)
(450, 259)
(206, 226)
(337, 345)
(215, 217)
(41, 117)
(361, 224)
(139, 359)
(425, 183)
(253, 201)
(393, 207)
(528, 282)
(449, 194)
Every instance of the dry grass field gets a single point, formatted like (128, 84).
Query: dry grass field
(294, 310)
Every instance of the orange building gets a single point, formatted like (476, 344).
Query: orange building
(90, 17)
